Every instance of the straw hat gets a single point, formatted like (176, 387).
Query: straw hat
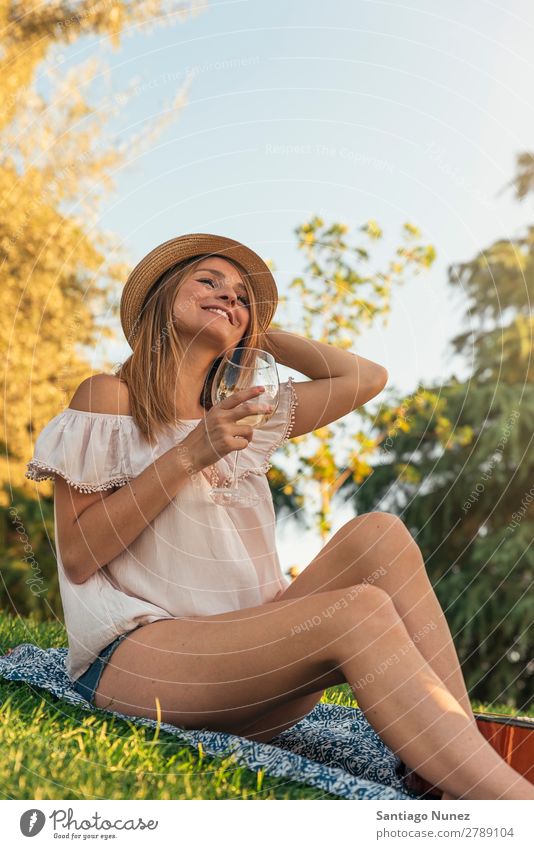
(164, 256)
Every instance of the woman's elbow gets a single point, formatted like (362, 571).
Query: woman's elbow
(76, 571)
(382, 377)
(365, 385)
(376, 383)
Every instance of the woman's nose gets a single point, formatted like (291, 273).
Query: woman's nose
(230, 295)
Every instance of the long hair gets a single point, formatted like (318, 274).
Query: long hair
(151, 372)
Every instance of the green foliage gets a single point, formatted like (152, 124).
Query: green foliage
(29, 571)
(340, 293)
(456, 463)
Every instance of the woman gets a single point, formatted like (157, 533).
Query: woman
(177, 606)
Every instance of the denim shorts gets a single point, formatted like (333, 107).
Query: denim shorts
(87, 683)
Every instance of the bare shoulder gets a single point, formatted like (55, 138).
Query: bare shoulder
(102, 393)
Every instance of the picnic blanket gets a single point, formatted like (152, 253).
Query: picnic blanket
(333, 748)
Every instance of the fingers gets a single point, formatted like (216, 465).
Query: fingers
(241, 395)
(247, 435)
(246, 401)
(252, 408)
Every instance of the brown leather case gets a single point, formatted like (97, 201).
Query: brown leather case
(511, 736)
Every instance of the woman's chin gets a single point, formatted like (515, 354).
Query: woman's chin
(215, 335)
(219, 340)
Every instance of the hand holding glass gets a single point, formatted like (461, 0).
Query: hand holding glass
(230, 377)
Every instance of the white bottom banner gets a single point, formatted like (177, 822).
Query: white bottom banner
(269, 823)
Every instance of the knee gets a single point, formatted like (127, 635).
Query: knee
(378, 529)
(377, 523)
(371, 597)
(366, 605)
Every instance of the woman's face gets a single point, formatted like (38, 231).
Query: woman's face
(214, 284)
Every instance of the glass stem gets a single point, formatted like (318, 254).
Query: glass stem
(233, 485)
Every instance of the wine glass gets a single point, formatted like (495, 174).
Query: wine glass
(257, 369)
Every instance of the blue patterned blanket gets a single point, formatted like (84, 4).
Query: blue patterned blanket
(333, 748)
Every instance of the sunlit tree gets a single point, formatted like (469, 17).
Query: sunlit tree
(61, 272)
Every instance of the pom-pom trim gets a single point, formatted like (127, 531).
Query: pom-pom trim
(39, 471)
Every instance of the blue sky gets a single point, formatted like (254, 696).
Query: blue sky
(349, 110)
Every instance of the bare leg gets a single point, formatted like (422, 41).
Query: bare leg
(223, 671)
(377, 548)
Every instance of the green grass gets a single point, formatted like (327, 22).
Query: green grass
(53, 750)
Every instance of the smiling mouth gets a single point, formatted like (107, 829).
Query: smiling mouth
(221, 313)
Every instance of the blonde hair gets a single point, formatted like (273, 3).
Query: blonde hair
(151, 371)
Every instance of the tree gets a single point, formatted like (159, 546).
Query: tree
(456, 462)
(60, 271)
(340, 295)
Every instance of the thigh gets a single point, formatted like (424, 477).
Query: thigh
(225, 671)
(269, 724)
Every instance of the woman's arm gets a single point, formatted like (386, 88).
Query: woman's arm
(93, 528)
(110, 524)
(340, 380)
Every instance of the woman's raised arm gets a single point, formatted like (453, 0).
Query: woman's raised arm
(340, 380)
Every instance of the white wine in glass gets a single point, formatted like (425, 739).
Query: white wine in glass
(243, 368)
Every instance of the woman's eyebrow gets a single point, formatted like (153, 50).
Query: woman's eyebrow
(220, 274)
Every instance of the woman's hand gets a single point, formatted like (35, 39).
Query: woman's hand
(218, 434)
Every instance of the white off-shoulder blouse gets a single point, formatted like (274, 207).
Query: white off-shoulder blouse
(196, 558)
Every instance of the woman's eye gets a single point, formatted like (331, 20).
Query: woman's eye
(243, 298)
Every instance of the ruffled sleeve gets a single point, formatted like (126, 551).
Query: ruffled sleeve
(92, 451)
(274, 433)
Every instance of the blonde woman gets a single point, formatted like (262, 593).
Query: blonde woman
(178, 604)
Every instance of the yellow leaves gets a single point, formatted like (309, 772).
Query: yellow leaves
(365, 443)
(325, 526)
(339, 294)
(411, 231)
(407, 474)
(449, 438)
(443, 430)
(60, 269)
(464, 435)
(372, 229)
(429, 255)
(360, 470)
